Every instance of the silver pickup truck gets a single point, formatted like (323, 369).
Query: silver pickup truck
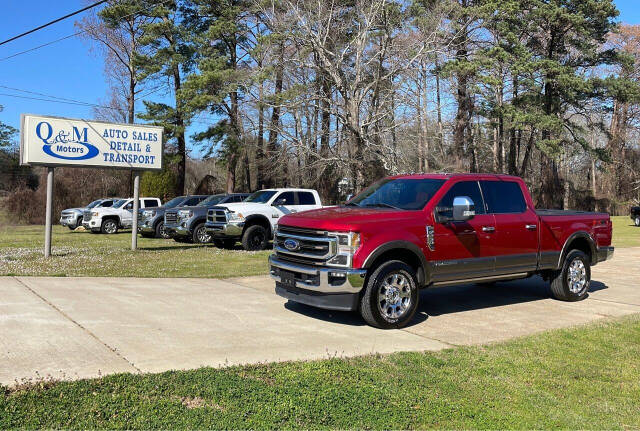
(72, 217)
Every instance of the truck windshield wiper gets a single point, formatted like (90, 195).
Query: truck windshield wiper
(351, 204)
(382, 204)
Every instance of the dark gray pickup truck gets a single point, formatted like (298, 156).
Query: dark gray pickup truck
(152, 220)
(186, 223)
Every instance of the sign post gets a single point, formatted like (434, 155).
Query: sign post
(49, 214)
(53, 141)
(136, 208)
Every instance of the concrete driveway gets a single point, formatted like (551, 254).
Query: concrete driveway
(85, 327)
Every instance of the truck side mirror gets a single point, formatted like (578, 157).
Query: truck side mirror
(279, 202)
(463, 208)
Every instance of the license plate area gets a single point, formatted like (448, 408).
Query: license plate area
(288, 279)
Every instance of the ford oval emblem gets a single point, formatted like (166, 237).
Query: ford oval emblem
(291, 244)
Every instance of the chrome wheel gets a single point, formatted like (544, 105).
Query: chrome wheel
(577, 276)
(163, 232)
(202, 235)
(110, 226)
(637, 221)
(394, 296)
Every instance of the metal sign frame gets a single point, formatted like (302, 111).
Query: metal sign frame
(50, 175)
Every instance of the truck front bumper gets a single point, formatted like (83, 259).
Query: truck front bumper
(322, 287)
(180, 229)
(147, 226)
(68, 221)
(605, 253)
(224, 230)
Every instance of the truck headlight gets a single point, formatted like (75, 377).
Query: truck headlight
(149, 214)
(234, 217)
(347, 246)
(185, 214)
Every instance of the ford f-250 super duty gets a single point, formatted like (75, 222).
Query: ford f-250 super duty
(408, 232)
(252, 221)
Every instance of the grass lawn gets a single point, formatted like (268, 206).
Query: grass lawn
(584, 377)
(87, 254)
(625, 234)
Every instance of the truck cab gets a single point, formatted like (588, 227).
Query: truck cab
(253, 220)
(118, 216)
(417, 231)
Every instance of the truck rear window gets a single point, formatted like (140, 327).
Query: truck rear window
(399, 193)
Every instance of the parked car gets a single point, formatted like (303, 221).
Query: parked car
(413, 231)
(118, 216)
(72, 217)
(635, 215)
(151, 223)
(253, 221)
(186, 223)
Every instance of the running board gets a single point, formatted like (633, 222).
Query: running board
(482, 279)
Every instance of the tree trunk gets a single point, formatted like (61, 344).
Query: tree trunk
(272, 142)
(180, 138)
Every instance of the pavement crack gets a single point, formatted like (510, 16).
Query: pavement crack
(70, 319)
(616, 302)
(430, 338)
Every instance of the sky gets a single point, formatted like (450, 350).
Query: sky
(68, 68)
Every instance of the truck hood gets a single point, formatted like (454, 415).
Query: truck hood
(78, 210)
(191, 208)
(345, 218)
(249, 207)
(106, 211)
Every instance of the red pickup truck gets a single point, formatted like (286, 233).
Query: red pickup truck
(408, 232)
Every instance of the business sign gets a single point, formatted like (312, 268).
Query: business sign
(53, 141)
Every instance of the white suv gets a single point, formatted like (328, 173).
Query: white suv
(118, 216)
(253, 220)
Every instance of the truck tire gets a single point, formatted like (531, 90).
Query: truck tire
(227, 244)
(390, 298)
(109, 226)
(571, 283)
(637, 221)
(255, 238)
(200, 235)
(78, 224)
(160, 232)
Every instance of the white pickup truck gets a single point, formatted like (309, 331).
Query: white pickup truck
(118, 216)
(253, 220)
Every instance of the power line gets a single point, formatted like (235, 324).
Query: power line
(43, 94)
(162, 2)
(57, 101)
(53, 22)
(40, 46)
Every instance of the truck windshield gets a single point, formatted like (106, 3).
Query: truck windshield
(398, 193)
(211, 200)
(174, 202)
(119, 203)
(94, 203)
(261, 197)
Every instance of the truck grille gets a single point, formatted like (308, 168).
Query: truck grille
(86, 216)
(217, 215)
(304, 245)
(170, 217)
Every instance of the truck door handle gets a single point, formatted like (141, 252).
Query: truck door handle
(488, 229)
(531, 227)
